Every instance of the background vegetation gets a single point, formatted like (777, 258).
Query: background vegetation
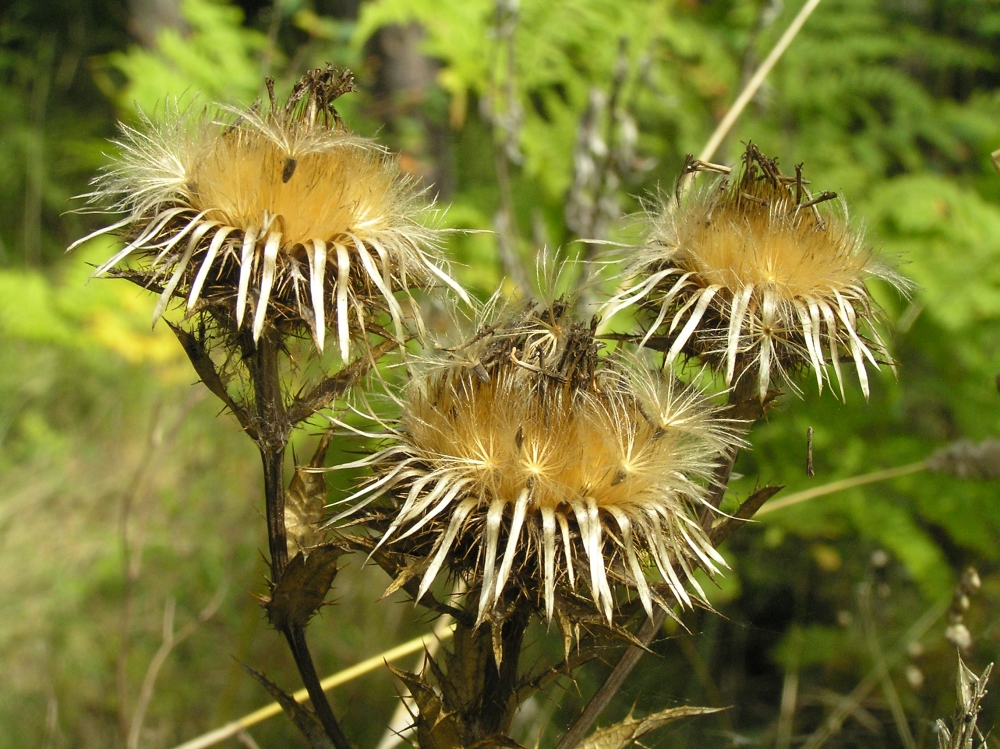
(125, 496)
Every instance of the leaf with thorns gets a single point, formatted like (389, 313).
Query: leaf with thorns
(627, 732)
(303, 718)
(303, 586)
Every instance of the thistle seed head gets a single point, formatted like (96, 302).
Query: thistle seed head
(278, 218)
(525, 463)
(753, 272)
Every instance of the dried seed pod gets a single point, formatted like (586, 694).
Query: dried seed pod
(752, 272)
(525, 462)
(279, 217)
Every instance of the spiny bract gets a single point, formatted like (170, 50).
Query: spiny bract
(751, 272)
(284, 212)
(523, 461)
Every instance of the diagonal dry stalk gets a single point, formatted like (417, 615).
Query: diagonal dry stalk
(160, 438)
(878, 657)
(748, 92)
(171, 639)
(846, 706)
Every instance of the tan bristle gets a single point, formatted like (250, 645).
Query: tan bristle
(527, 433)
(755, 271)
(283, 218)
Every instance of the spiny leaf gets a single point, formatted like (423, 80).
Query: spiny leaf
(303, 587)
(305, 502)
(436, 728)
(300, 715)
(628, 731)
(971, 690)
(466, 665)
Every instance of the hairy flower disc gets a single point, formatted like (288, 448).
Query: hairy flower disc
(753, 272)
(278, 217)
(530, 463)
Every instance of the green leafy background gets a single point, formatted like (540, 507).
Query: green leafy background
(116, 469)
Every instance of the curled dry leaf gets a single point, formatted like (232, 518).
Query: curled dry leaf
(300, 715)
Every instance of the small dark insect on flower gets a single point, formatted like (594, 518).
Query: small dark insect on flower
(524, 461)
(752, 270)
(278, 216)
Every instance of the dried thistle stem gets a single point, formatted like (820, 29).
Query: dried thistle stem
(500, 679)
(272, 437)
(296, 637)
(272, 432)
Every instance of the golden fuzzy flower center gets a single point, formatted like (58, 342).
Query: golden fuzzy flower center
(244, 179)
(739, 245)
(505, 437)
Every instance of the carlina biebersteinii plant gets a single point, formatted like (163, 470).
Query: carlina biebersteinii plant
(752, 277)
(269, 226)
(280, 216)
(524, 463)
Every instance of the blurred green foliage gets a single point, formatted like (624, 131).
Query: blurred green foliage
(124, 488)
(214, 57)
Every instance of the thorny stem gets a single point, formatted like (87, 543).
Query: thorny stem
(272, 433)
(296, 637)
(272, 438)
(500, 682)
(613, 683)
(274, 502)
(743, 404)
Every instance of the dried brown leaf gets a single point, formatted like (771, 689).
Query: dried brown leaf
(303, 587)
(300, 715)
(436, 727)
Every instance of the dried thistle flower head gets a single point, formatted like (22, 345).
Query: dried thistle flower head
(752, 272)
(282, 214)
(523, 462)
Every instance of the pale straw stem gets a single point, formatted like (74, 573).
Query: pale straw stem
(748, 92)
(723, 128)
(839, 486)
(342, 677)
